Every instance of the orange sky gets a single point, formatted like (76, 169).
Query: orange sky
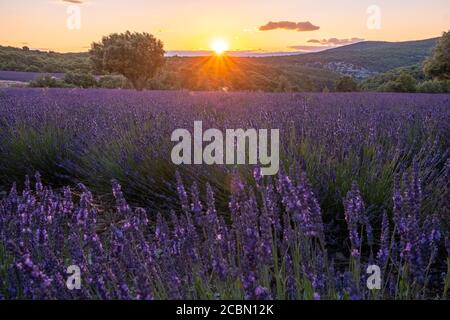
(191, 25)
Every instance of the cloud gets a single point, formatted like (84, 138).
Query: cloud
(288, 25)
(307, 48)
(70, 2)
(73, 1)
(335, 41)
(325, 44)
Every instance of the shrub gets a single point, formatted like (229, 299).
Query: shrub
(112, 82)
(80, 80)
(405, 82)
(47, 81)
(434, 86)
(346, 84)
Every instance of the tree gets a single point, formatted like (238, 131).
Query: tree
(346, 84)
(438, 65)
(434, 86)
(136, 56)
(404, 82)
(283, 84)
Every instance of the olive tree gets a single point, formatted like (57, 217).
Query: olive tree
(438, 65)
(136, 56)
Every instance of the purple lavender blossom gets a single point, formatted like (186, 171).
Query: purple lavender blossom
(383, 251)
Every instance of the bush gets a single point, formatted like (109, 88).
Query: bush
(434, 86)
(80, 80)
(405, 82)
(112, 82)
(47, 81)
(346, 84)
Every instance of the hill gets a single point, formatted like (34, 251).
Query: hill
(364, 59)
(16, 59)
(238, 73)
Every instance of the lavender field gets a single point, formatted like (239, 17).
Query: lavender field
(26, 76)
(86, 179)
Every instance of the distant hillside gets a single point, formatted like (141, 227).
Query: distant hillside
(239, 73)
(364, 59)
(16, 59)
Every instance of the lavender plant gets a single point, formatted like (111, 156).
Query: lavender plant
(363, 181)
(275, 250)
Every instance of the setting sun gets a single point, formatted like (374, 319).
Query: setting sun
(219, 46)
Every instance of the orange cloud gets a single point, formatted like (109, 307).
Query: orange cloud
(304, 48)
(336, 41)
(288, 25)
(73, 1)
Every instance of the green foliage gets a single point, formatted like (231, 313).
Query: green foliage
(375, 82)
(438, 65)
(416, 77)
(24, 59)
(346, 84)
(405, 82)
(80, 80)
(434, 86)
(239, 74)
(283, 84)
(112, 82)
(34, 149)
(137, 56)
(47, 81)
(375, 56)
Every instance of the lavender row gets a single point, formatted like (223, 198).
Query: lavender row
(271, 245)
(363, 181)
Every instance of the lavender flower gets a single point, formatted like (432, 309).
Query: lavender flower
(383, 251)
(354, 210)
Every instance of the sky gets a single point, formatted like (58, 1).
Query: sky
(244, 25)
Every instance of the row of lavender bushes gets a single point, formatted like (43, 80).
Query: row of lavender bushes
(272, 244)
(92, 136)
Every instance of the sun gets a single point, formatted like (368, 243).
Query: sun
(219, 46)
